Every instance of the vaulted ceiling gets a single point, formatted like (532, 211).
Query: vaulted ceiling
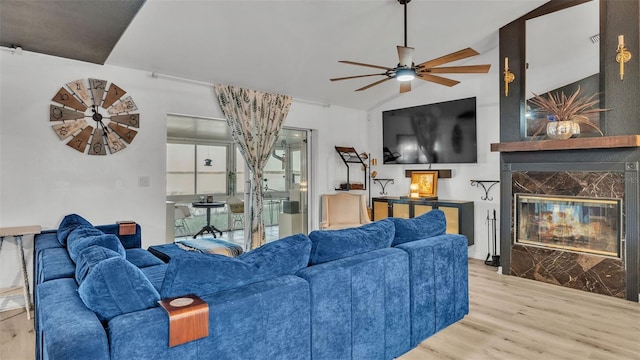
(289, 47)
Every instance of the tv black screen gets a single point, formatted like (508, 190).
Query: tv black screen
(431, 134)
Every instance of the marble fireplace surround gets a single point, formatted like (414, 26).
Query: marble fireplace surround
(607, 275)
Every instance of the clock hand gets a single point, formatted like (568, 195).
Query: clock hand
(104, 128)
(98, 118)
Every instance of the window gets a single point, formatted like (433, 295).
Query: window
(180, 166)
(196, 169)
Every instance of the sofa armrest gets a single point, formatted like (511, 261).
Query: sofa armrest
(263, 321)
(360, 306)
(439, 280)
(128, 241)
(67, 328)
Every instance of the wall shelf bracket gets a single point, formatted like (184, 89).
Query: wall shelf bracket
(481, 183)
(383, 184)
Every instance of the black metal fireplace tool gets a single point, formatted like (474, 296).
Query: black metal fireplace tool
(493, 260)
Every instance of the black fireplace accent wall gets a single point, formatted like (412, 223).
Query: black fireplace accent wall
(622, 97)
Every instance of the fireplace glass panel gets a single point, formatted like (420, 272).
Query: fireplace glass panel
(590, 225)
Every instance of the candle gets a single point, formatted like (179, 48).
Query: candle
(506, 63)
(620, 40)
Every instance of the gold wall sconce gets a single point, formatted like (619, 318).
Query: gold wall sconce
(623, 55)
(508, 76)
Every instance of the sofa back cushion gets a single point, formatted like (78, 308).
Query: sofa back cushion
(427, 225)
(281, 257)
(115, 286)
(82, 237)
(202, 274)
(89, 258)
(329, 245)
(68, 224)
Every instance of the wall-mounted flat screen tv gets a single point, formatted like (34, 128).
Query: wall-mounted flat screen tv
(440, 133)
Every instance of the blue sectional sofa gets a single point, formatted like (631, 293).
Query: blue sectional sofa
(371, 292)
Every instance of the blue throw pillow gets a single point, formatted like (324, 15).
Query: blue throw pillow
(202, 274)
(427, 225)
(115, 287)
(281, 257)
(329, 245)
(83, 237)
(68, 224)
(90, 257)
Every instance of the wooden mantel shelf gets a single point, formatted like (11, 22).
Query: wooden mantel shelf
(604, 142)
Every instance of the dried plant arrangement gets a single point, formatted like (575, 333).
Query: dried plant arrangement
(559, 107)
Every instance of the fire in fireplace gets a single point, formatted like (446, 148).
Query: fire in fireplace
(590, 225)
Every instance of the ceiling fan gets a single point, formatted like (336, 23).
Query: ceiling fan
(407, 70)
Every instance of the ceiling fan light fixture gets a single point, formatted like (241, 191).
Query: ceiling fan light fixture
(405, 70)
(405, 74)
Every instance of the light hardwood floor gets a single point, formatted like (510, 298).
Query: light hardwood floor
(514, 318)
(509, 318)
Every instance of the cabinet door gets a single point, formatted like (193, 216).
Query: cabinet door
(421, 209)
(401, 210)
(453, 215)
(380, 210)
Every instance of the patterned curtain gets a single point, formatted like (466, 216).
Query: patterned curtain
(255, 119)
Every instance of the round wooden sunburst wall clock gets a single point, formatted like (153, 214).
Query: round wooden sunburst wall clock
(96, 115)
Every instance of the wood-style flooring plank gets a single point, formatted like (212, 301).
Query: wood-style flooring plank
(513, 318)
(17, 339)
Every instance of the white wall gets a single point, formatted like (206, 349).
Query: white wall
(331, 126)
(486, 90)
(42, 179)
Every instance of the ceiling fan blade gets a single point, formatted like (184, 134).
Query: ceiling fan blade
(373, 84)
(355, 77)
(437, 79)
(458, 55)
(363, 64)
(405, 56)
(460, 69)
(405, 86)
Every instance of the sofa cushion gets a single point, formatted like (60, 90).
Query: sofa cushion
(281, 257)
(83, 237)
(47, 239)
(54, 263)
(142, 258)
(202, 274)
(429, 224)
(68, 224)
(155, 274)
(115, 286)
(329, 245)
(89, 258)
